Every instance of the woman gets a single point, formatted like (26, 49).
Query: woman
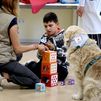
(10, 46)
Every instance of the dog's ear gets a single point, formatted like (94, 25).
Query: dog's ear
(66, 42)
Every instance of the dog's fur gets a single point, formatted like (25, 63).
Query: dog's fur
(88, 85)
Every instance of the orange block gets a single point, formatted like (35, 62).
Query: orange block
(49, 56)
(48, 68)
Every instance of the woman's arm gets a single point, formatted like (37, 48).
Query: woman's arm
(18, 47)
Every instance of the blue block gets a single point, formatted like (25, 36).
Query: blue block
(40, 87)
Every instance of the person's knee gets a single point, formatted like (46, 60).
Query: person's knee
(31, 64)
(62, 74)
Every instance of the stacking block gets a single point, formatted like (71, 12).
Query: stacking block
(48, 68)
(40, 87)
(49, 56)
(50, 80)
(71, 81)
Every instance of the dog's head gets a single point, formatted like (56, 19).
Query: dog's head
(75, 37)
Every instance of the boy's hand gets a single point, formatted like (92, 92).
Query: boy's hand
(50, 45)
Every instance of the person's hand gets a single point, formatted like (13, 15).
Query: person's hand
(50, 45)
(80, 10)
(6, 75)
(42, 48)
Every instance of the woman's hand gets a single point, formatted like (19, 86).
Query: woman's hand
(41, 48)
(80, 10)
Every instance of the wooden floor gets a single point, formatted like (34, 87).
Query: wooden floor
(12, 92)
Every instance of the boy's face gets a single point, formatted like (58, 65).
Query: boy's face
(51, 28)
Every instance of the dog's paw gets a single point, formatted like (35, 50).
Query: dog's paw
(77, 97)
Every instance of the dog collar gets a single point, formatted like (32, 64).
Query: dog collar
(93, 61)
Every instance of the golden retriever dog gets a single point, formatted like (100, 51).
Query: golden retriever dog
(84, 56)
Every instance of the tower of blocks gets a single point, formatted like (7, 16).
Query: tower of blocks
(49, 74)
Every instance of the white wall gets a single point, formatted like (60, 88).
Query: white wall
(31, 26)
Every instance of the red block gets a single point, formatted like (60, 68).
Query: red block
(50, 80)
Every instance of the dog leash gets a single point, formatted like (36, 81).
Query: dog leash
(93, 61)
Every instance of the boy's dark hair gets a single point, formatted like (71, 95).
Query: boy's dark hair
(50, 17)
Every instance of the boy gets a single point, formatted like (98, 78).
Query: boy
(54, 39)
